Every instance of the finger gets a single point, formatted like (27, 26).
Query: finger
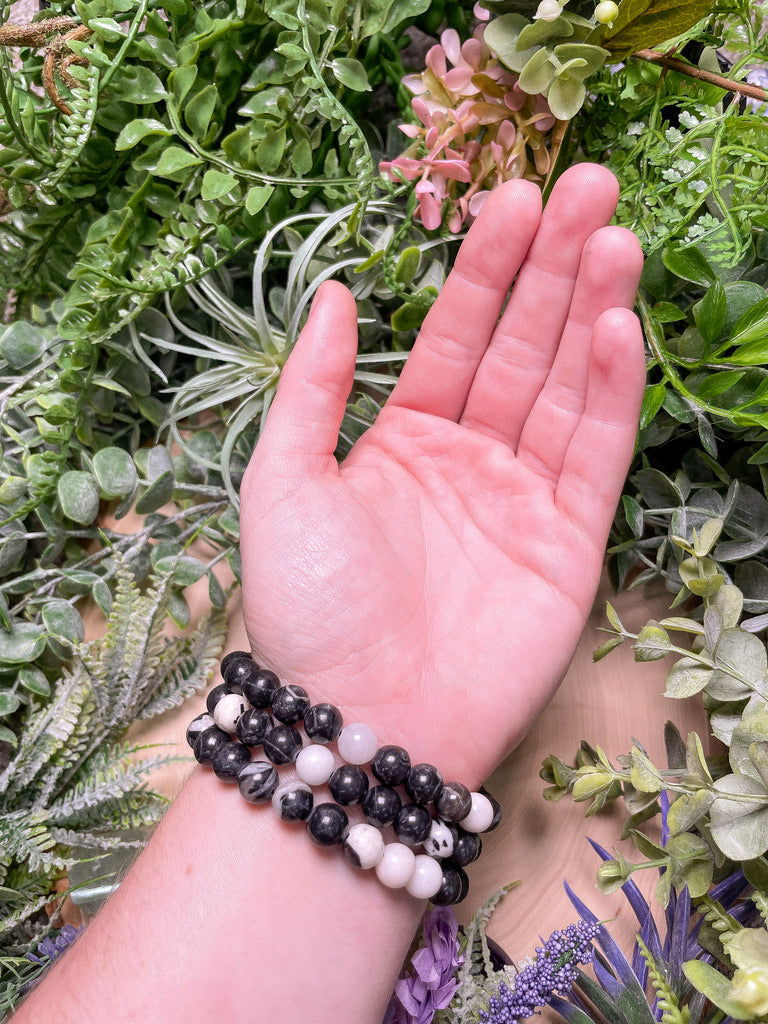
(557, 410)
(302, 427)
(440, 369)
(524, 345)
(598, 456)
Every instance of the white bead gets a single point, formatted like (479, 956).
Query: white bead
(228, 710)
(439, 842)
(396, 866)
(314, 764)
(364, 845)
(481, 815)
(357, 743)
(426, 877)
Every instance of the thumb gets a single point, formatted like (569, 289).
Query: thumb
(302, 427)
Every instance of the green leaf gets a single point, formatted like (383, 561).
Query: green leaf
(537, 74)
(22, 643)
(175, 159)
(138, 84)
(653, 399)
(652, 643)
(613, 642)
(63, 621)
(689, 264)
(688, 810)
(716, 987)
(643, 773)
(22, 344)
(641, 25)
(217, 184)
(9, 702)
(115, 472)
(33, 680)
(199, 110)
(709, 314)
(740, 665)
(107, 28)
(502, 34)
(159, 493)
(79, 496)
(269, 151)
(139, 129)
(256, 198)
(752, 326)
(739, 817)
(351, 74)
(686, 677)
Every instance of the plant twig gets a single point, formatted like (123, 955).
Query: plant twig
(683, 68)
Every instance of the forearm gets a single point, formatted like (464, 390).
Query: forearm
(229, 913)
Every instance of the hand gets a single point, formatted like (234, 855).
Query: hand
(435, 584)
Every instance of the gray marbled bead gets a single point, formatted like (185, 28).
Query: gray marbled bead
(258, 781)
(292, 800)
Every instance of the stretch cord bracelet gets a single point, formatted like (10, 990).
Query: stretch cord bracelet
(253, 706)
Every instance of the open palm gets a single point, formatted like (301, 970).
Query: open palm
(436, 583)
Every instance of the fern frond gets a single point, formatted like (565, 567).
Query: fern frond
(722, 922)
(760, 899)
(666, 999)
(132, 811)
(18, 914)
(24, 837)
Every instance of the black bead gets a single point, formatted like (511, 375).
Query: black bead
(412, 824)
(253, 725)
(229, 759)
(466, 849)
(381, 805)
(207, 742)
(228, 661)
(348, 784)
(290, 703)
(496, 809)
(215, 696)
(323, 723)
(328, 824)
(454, 801)
(453, 888)
(282, 744)
(423, 782)
(197, 725)
(258, 781)
(293, 802)
(391, 765)
(259, 686)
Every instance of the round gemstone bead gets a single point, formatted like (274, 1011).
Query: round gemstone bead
(228, 710)
(441, 840)
(412, 824)
(480, 816)
(454, 801)
(292, 800)
(197, 725)
(391, 765)
(229, 759)
(364, 846)
(357, 743)
(282, 744)
(348, 784)
(323, 723)
(260, 686)
(215, 696)
(228, 662)
(253, 725)
(290, 703)
(466, 849)
(328, 824)
(314, 764)
(258, 781)
(380, 806)
(207, 742)
(426, 877)
(453, 887)
(396, 866)
(423, 782)
(496, 809)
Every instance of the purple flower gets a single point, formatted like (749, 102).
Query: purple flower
(433, 985)
(49, 949)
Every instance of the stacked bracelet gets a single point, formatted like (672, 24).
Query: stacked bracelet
(253, 706)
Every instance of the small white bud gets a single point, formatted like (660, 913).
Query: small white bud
(606, 12)
(549, 10)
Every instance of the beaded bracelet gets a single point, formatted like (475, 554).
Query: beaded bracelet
(252, 705)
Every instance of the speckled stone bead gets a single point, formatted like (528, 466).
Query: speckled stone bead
(323, 723)
(357, 743)
(380, 806)
(229, 759)
(412, 824)
(198, 725)
(480, 816)
(292, 800)
(364, 846)
(423, 782)
(314, 764)
(441, 840)
(391, 765)
(328, 824)
(396, 866)
(348, 784)
(466, 849)
(253, 725)
(454, 801)
(260, 686)
(290, 703)
(258, 781)
(453, 887)
(207, 742)
(227, 667)
(215, 696)
(228, 709)
(426, 877)
(496, 809)
(282, 744)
